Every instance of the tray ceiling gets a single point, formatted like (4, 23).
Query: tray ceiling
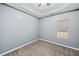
(46, 9)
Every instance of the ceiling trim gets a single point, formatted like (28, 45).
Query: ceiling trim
(20, 10)
(60, 13)
(36, 16)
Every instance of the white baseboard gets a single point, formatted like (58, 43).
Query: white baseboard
(36, 40)
(18, 47)
(60, 44)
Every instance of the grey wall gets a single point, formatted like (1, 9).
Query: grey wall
(16, 28)
(48, 29)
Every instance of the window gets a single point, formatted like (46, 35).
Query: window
(63, 29)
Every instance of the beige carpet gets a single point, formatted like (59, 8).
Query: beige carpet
(42, 48)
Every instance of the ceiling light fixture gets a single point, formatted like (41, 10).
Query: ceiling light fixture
(43, 4)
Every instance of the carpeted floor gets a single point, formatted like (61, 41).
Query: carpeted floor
(42, 48)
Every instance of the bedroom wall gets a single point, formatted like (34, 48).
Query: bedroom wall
(16, 28)
(48, 29)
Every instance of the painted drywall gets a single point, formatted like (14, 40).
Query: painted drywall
(16, 28)
(48, 29)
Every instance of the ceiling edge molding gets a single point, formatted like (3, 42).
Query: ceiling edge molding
(20, 10)
(38, 16)
(59, 13)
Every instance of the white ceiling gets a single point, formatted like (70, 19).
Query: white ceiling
(40, 12)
